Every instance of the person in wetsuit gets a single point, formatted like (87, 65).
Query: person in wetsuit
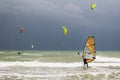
(19, 53)
(84, 60)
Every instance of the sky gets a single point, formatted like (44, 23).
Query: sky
(42, 21)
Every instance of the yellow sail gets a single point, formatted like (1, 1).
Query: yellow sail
(89, 50)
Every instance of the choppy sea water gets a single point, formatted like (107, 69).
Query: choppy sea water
(58, 65)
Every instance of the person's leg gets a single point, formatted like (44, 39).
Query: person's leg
(87, 65)
(84, 64)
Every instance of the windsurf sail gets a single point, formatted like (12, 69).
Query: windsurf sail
(89, 52)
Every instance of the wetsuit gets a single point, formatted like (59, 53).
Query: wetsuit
(85, 62)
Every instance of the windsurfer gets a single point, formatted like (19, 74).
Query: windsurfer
(85, 61)
(89, 53)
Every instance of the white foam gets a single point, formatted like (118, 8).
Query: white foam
(2, 52)
(53, 64)
(39, 64)
(107, 59)
(31, 54)
(99, 61)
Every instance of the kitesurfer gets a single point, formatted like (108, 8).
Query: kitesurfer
(19, 53)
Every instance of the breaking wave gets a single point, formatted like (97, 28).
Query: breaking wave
(103, 68)
(100, 62)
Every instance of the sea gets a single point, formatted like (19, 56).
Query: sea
(58, 65)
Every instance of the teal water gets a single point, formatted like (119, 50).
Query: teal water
(58, 65)
(50, 56)
(44, 56)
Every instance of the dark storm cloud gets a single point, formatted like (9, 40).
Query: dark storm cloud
(42, 20)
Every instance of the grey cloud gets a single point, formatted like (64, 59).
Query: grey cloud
(46, 16)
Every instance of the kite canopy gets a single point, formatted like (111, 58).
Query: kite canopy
(93, 6)
(65, 30)
(89, 50)
(21, 29)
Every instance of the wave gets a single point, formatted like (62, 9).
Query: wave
(32, 54)
(64, 76)
(57, 64)
(36, 70)
(100, 61)
(107, 59)
(39, 64)
(2, 52)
